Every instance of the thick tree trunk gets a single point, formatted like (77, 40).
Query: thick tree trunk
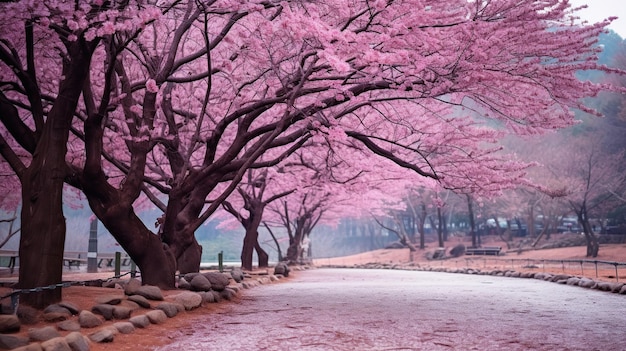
(247, 252)
(439, 227)
(43, 224)
(470, 209)
(293, 252)
(251, 239)
(593, 246)
(42, 234)
(264, 258)
(189, 261)
(154, 258)
(422, 224)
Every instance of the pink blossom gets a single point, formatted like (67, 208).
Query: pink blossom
(136, 109)
(151, 86)
(72, 25)
(90, 34)
(107, 28)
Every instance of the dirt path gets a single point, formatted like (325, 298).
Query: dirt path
(352, 309)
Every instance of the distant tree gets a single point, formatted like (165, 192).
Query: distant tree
(11, 231)
(255, 197)
(594, 178)
(588, 178)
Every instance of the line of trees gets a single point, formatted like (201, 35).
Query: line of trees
(172, 104)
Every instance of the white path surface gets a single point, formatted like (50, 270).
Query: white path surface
(401, 310)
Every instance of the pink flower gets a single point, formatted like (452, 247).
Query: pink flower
(152, 86)
(72, 25)
(90, 34)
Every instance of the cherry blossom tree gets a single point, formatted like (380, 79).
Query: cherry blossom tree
(45, 56)
(181, 103)
(255, 198)
(263, 77)
(593, 179)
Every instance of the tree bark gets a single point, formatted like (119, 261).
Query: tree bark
(422, 224)
(280, 252)
(43, 224)
(593, 246)
(470, 209)
(251, 238)
(155, 260)
(247, 252)
(293, 251)
(43, 230)
(189, 261)
(264, 258)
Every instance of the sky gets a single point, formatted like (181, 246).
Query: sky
(601, 9)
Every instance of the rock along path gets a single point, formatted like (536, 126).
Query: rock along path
(355, 309)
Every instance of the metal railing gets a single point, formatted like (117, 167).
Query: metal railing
(571, 266)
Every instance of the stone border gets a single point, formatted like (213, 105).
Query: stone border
(567, 279)
(138, 306)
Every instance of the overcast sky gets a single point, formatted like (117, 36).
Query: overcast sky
(601, 9)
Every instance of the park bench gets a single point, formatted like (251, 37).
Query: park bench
(109, 258)
(8, 259)
(487, 250)
(73, 259)
(439, 253)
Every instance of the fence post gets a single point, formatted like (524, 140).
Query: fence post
(220, 261)
(582, 270)
(92, 252)
(118, 263)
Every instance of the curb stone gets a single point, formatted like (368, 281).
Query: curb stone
(123, 319)
(565, 279)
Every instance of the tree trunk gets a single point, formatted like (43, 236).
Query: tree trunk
(264, 258)
(280, 252)
(293, 252)
(404, 240)
(470, 209)
(155, 260)
(593, 246)
(43, 224)
(251, 238)
(189, 261)
(422, 224)
(411, 228)
(531, 222)
(444, 226)
(43, 233)
(440, 228)
(295, 242)
(247, 252)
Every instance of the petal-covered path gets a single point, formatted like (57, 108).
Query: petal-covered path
(351, 309)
